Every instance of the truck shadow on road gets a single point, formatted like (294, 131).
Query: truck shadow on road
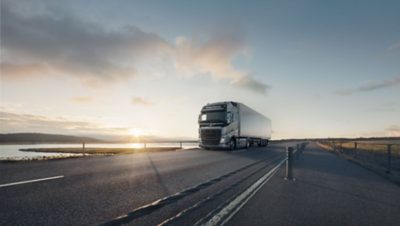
(159, 179)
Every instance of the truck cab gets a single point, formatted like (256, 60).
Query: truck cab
(218, 123)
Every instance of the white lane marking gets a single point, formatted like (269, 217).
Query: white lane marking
(31, 181)
(223, 216)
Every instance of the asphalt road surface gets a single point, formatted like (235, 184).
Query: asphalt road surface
(196, 187)
(328, 190)
(177, 187)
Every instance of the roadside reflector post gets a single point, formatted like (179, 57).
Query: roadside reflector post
(180, 143)
(389, 158)
(289, 164)
(144, 145)
(83, 148)
(355, 148)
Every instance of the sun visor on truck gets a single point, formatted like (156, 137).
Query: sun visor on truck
(214, 108)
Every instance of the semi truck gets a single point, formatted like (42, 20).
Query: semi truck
(232, 125)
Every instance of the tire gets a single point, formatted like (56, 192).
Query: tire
(247, 144)
(232, 144)
(261, 143)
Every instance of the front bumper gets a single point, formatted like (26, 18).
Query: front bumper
(217, 146)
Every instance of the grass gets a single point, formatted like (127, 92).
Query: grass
(371, 147)
(372, 156)
(102, 151)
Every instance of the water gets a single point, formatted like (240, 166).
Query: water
(12, 151)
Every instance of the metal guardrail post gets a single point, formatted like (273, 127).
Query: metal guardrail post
(289, 164)
(83, 148)
(389, 158)
(341, 147)
(355, 149)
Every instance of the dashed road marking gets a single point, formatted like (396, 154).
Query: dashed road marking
(30, 181)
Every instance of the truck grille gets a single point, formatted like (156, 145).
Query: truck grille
(210, 136)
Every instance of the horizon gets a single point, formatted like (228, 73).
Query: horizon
(150, 139)
(144, 69)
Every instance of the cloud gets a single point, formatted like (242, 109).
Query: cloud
(250, 83)
(393, 130)
(20, 70)
(344, 92)
(15, 122)
(394, 46)
(369, 86)
(47, 39)
(374, 85)
(214, 57)
(57, 41)
(140, 101)
(385, 107)
(82, 99)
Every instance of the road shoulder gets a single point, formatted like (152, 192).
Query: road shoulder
(328, 190)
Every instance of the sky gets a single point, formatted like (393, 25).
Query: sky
(145, 68)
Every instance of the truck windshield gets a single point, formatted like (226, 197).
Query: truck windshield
(213, 116)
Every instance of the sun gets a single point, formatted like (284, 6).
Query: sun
(136, 132)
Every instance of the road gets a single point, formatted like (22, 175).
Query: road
(328, 190)
(195, 187)
(97, 190)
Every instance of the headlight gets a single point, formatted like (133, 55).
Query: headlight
(222, 141)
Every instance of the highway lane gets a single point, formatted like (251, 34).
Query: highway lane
(98, 189)
(328, 190)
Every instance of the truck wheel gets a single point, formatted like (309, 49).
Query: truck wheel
(247, 144)
(232, 144)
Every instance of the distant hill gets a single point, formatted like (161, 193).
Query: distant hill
(19, 138)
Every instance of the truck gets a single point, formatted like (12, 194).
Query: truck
(231, 125)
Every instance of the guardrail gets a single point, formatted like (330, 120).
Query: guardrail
(146, 144)
(383, 155)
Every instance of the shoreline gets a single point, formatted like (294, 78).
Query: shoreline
(67, 153)
(95, 150)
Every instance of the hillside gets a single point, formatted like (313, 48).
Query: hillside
(19, 138)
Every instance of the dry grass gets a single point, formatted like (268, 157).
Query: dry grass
(373, 156)
(371, 147)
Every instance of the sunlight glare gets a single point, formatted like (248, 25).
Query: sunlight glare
(136, 132)
(136, 145)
